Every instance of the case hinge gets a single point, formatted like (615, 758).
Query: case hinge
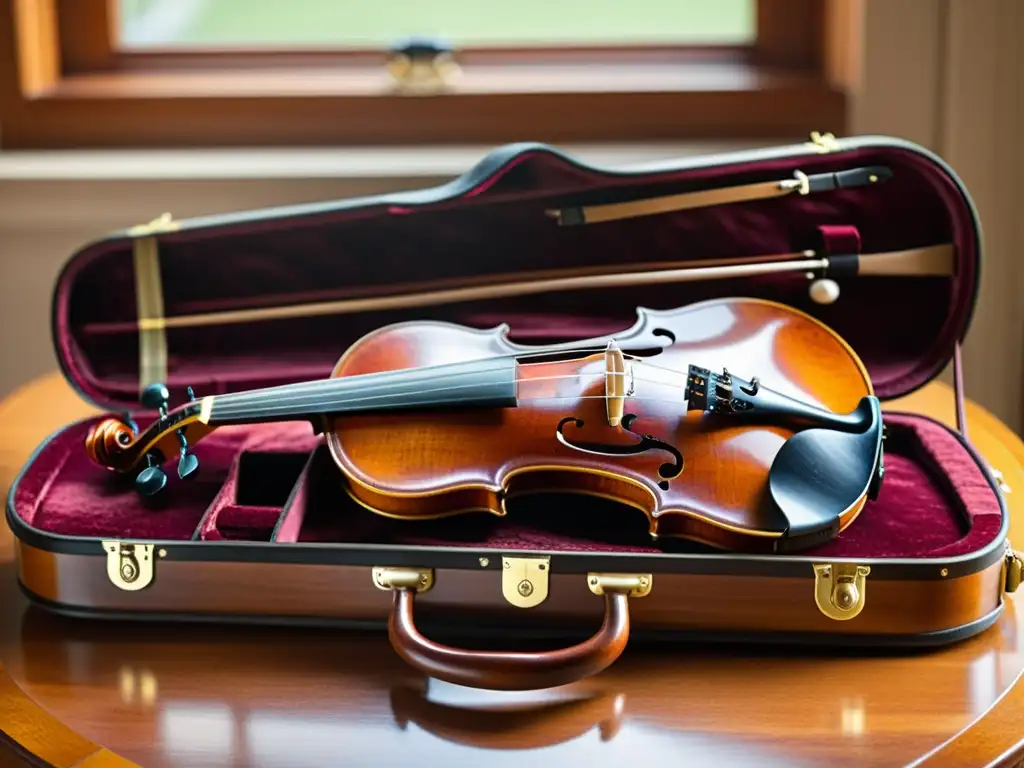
(524, 580)
(1014, 568)
(162, 223)
(420, 579)
(633, 584)
(129, 565)
(823, 142)
(997, 475)
(840, 589)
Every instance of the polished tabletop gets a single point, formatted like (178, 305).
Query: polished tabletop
(85, 693)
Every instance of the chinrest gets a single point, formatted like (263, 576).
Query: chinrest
(821, 476)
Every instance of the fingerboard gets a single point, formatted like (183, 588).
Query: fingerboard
(490, 382)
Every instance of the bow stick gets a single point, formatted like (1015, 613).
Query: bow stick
(934, 260)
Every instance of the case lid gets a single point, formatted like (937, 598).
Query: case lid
(273, 296)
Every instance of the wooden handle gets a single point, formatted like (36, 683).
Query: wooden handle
(509, 670)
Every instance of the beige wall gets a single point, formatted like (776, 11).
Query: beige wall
(949, 74)
(945, 73)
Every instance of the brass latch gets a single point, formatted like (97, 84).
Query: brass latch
(129, 566)
(1014, 568)
(840, 589)
(524, 580)
(633, 584)
(420, 579)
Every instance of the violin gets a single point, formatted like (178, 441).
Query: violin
(740, 423)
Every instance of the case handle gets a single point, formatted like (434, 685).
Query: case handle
(515, 670)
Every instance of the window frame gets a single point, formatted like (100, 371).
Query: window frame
(63, 84)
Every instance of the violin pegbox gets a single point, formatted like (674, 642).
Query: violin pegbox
(152, 479)
(112, 442)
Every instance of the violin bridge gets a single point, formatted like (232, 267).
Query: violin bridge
(614, 384)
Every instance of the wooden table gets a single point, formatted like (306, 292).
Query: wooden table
(93, 694)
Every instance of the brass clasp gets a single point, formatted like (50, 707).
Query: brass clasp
(1014, 568)
(524, 580)
(420, 579)
(129, 566)
(634, 584)
(840, 589)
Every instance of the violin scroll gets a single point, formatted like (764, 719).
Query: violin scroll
(108, 442)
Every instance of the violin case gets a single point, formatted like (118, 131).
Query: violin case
(553, 590)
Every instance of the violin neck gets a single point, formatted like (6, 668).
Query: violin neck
(484, 383)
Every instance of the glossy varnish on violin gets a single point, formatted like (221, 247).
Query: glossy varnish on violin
(694, 475)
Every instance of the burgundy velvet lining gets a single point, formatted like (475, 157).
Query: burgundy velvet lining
(903, 328)
(63, 493)
(261, 480)
(840, 239)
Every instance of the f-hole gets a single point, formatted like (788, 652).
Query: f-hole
(651, 351)
(666, 471)
(667, 334)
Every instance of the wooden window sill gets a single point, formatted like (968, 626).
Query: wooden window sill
(67, 83)
(296, 107)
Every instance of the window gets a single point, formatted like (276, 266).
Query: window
(378, 24)
(172, 73)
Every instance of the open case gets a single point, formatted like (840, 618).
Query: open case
(266, 532)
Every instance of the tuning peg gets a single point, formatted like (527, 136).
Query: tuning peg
(127, 419)
(187, 462)
(156, 396)
(152, 479)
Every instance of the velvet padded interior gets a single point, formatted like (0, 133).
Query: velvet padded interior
(274, 483)
(278, 484)
(904, 328)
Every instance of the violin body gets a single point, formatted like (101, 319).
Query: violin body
(694, 474)
(739, 423)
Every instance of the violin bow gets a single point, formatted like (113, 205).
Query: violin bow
(800, 184)
(936, 260)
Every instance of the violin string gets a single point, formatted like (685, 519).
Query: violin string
(584, 397)
(339, 381)
(258, 411)
(295, 399)
(277, 405)
(326, 386)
